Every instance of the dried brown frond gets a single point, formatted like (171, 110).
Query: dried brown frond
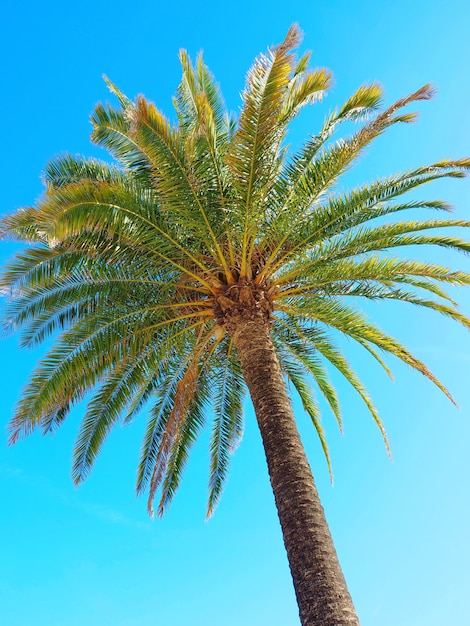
(184, 395)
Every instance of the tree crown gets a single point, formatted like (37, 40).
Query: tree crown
(145, 267)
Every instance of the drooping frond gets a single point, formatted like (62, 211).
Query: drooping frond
(188, 432)
(184, 396)
(320, 341)
(337, 315)
(228, 421)
(310, 406)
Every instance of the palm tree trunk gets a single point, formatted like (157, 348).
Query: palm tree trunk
(321, 590)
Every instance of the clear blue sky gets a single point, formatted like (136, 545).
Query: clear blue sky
(91, 556)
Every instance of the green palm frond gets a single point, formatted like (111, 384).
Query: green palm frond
(67, 170)
(309, 404)
(111, 130)
(228, 422)
(295, 345)
(351, 323)
(254, 147)
(320, 341)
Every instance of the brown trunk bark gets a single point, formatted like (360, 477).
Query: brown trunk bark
(321, 590)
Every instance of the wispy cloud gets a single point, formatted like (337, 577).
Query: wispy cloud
(105, 513)
(92, 509)
(8, 470)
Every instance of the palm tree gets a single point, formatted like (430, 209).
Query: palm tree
(208, 260)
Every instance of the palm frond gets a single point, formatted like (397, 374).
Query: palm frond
(310, 407)
(253, 149)
(324, 344)
(228, 422)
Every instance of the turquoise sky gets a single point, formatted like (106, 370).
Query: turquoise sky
(91, 556)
